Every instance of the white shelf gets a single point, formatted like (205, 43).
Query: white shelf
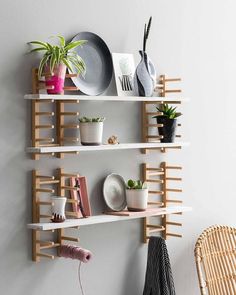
(102, 98)
(104, 147)
(97, 219)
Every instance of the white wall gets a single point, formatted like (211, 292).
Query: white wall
(193, 39)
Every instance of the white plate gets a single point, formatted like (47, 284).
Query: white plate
(114, 192)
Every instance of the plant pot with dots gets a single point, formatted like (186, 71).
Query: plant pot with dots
(168, 122)
(136, 195)
(56, 60)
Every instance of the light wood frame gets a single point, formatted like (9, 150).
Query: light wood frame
(160, 176)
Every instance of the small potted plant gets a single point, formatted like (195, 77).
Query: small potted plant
(136, 195)
(169, 122)
(56, 59)
(91, 130)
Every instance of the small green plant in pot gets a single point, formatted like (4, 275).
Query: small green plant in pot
(136, 195)
(91, 130)
(56, 59)
(169, 121)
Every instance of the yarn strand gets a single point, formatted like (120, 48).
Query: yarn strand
(80, 280)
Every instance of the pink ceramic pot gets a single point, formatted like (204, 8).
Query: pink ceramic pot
(56, 82)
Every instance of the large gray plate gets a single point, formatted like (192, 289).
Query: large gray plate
(98, 62)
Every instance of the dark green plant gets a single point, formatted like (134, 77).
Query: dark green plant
(56, 54)
(168, 111)
(146, 33)
(136, 184)
(91, 120)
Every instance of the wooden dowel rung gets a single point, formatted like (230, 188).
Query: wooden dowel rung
(174, 201)
(156, 192)
(70, 88)
(40, 87)
(44, 126)
(154, 226)
(50, 114)
(45, 177)
(46, 203)
(156, 230)
(154, 113)
(50, 246)
(173, 91)
(155, 169)
(72, 139)
(154, 136)
(154, 125)
(49, 144)
(173, 167)
(174, 178)
(44, 100)
(154, 180)
(75, 153)
(67, 187)
(44, 154)
(45, 216)
(173, 223)
(71, 75)
(70, 101)
(173, 102)
(174, 235)
(176, 190)
(46, 139)
(172, 79)
(69, 175)
(70, 239)
(70, 201)
(74, 214)
(71, 126)
(155, 173)
(48, 182)
(45, 190)
(69, 114)
(156, 203)
(45, 255)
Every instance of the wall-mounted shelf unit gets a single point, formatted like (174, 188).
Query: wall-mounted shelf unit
(105, 147)
(78, 98)
(53, 109)
(106, 218)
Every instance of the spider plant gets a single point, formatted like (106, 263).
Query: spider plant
(64, 53)
(168, 111)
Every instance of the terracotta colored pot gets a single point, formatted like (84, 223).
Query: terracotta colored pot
(56, 81)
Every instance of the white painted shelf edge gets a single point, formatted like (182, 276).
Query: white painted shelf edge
(104, 147)
(97, 219)
(103, 98)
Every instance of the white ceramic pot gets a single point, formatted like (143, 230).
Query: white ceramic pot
(91, 133)
(137, 199)
(58, 209)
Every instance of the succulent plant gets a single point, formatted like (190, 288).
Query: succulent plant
(168, 111)
(136, 184)
(91, 120)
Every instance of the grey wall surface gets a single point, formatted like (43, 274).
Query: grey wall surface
(191, 39)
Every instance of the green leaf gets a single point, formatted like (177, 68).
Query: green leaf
(67, 64)
(74, 44)
(62, 40)
(38, 49)
(43, 62)
(43, 44)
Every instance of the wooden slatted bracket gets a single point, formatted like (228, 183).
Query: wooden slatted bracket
(147, 114)
(57, 110)
(159, 196)
(44, 186)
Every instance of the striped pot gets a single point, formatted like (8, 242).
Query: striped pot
(144, 77)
